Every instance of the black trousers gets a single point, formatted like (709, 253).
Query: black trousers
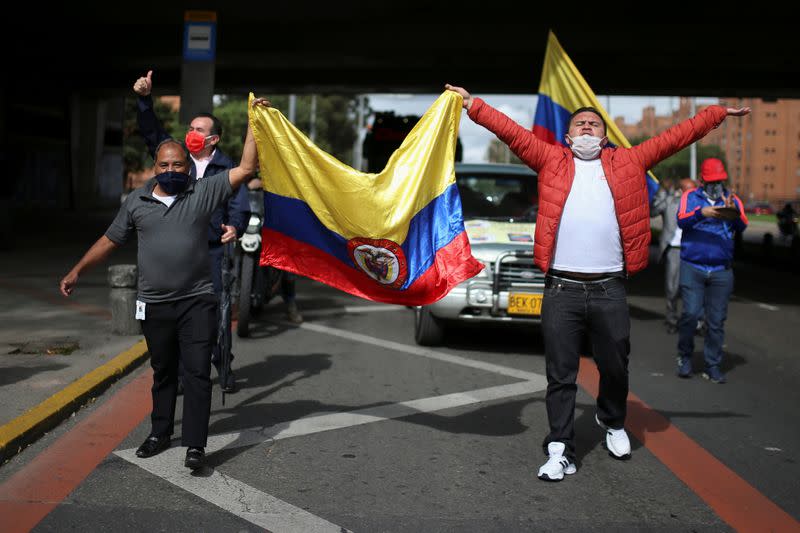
(577, 315)
(186, 330)
(215, 258)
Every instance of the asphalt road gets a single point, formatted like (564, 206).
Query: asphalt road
(344, 423)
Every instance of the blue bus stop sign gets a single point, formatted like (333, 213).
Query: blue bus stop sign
(199, 39)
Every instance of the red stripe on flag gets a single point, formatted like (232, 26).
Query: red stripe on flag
(453, 264)
(544, 134)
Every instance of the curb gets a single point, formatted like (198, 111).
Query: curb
(31, 425)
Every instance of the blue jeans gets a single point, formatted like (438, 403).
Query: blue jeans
(710, 291)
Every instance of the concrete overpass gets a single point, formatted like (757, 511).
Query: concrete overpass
(61, 98)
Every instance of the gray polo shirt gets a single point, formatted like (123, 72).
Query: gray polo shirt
(173, 241)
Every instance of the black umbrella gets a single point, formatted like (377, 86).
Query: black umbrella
(224, 332)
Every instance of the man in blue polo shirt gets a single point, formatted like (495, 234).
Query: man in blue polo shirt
(709, 217)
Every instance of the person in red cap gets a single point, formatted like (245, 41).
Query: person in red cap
(709, 217)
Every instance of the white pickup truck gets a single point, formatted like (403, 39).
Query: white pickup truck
(500, 204)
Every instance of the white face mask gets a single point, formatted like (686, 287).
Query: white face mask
(586, 147)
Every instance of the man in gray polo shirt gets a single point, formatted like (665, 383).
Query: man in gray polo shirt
(176, 301)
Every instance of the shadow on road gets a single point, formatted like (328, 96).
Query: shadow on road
(14, 374)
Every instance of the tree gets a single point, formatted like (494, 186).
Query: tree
(232, 113)
(678, 165)
(135, 155)
(335, 122)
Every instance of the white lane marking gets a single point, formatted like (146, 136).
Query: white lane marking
(232, 495)
(762, 305)
(423, 352)
(772, 449)
(332, 421)
(272, 513)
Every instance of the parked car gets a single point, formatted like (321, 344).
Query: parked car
(759, 208)
(500, 204)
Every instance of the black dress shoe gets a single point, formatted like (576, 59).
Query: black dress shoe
(152, 446)
(195, 458)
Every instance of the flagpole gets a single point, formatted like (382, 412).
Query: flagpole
(358, 154)
(292, 106)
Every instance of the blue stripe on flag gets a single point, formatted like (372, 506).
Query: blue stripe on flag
(552, 117)
(432, 228)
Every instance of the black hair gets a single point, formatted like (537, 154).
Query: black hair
(592, 110)
(170, 140)
(216, 125)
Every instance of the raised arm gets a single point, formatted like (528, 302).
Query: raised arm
(149, 125)
(247, 166)
(683, 134)
(98, 253)
(530, 149)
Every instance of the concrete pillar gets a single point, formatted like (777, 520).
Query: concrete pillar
(5, 162)
(96, 151)
(197, 89)
(110, 167)
(86, 143)
(122, 279)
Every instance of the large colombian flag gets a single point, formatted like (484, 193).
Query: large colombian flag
(562, 90)
(396, 236)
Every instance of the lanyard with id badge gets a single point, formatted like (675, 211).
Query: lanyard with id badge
(140, 310)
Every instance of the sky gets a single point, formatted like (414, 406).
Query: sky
(521, 108)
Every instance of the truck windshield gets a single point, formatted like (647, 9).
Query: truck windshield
(498, 197)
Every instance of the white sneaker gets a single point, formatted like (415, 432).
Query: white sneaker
(557, 465)
(617, 442)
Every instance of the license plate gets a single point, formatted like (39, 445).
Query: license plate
(524, 304)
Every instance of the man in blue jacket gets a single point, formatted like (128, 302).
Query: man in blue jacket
(709, 217)
(230, 219)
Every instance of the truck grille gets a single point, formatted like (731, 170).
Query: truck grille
(520, 271)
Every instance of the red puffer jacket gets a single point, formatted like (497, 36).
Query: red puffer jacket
(624, 168)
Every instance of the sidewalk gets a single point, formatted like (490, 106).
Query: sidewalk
(48, 342)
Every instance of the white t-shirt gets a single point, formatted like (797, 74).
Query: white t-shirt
(166, 200)
(201, 164)
(588, 235)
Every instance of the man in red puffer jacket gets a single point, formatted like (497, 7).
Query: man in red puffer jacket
(592, 231)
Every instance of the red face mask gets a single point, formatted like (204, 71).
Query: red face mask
(195, 141)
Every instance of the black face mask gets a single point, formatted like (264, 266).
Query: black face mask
(173, 182)
(714, 190)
